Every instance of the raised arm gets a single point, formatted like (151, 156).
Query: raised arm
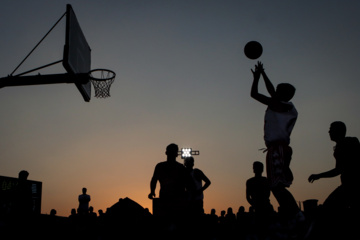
(254, 88)
(329, 174)
(269, 86)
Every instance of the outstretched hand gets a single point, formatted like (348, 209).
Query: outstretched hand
(313, 177)
(258, 70)
(260, 67)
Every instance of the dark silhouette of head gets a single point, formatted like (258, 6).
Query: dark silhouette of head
(73, 211)
(172, 151)
(258, 167)
(337, 131)
(23, 175)
(285, 92)
(84, 190)
(189, 162)
(230, 210)
(241, 209)
(222, 213)
(53, 212)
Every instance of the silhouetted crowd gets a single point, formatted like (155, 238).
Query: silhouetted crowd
(127, 219)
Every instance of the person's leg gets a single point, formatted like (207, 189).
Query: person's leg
(328, 217)
(286, 200)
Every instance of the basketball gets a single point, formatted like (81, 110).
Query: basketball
(253, 50)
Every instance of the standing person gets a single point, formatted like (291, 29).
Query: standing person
(258, 195)
(173, 179)
(198, 177)
(23, 196)
(280, 118)
(347, 164)
(258, 191)
(84, 200)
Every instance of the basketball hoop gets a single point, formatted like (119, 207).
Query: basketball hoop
(102, 79)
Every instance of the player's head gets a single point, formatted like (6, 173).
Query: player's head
(189, 162)
(258, 167)
(84, 190)
(337, 130)
(285, 91)
(172, 150)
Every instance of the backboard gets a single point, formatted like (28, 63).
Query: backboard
(77, 53)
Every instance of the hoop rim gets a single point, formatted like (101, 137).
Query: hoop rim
(112, 73)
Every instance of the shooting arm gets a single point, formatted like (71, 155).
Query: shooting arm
(254, 89)
(269, 86)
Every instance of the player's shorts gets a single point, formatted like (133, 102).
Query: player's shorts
(278, 159)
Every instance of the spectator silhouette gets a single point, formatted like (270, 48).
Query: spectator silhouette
(230, 217)
(23, 196)
(101, 213)
(91, 212)
(227, 223)
(197, 195)
(347, 164)
(73, 215)
(244, 222)
(240, 213)
(280, 118)
(53, 213)
(222, 217)
(214, 219)
(84, 200)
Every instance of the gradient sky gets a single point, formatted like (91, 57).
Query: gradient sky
(182, 77)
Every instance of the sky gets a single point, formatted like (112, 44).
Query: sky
(181, 77)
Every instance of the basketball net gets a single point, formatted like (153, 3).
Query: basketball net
(101, 80)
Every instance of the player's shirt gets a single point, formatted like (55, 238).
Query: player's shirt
(279, 125)
(172, 177)
(347, 157)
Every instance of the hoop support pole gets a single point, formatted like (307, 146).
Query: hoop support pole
(12, 81)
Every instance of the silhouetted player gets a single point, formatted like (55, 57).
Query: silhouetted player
(198, 177)
(280, 118)
(258, 191)
(173, 179)
(347, 156)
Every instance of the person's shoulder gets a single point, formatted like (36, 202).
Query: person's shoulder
(281, 106)
(351, 139)
(198, 173)
(290, 106)
(179, 165)
(351, 142)
(161, 164)
(250, 180)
